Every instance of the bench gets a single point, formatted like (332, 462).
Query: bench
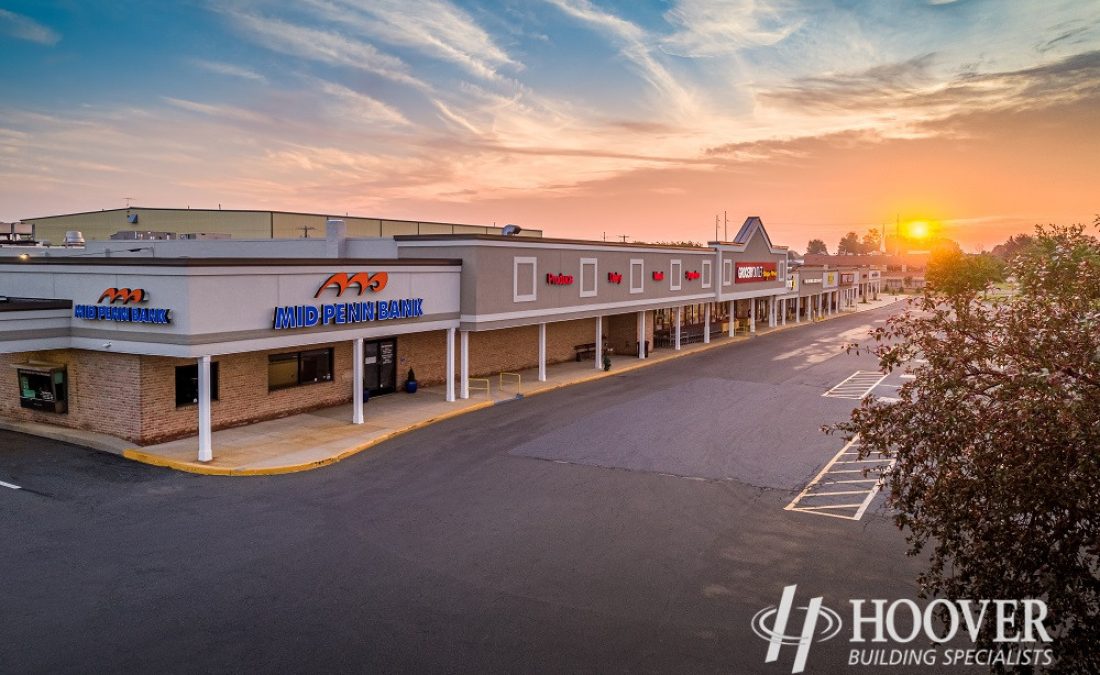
(585, 351)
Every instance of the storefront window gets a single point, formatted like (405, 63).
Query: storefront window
(291, 370)
(187, 384)
(316, 366)
(43, 390)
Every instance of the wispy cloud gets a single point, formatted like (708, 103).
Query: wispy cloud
(360, 108)
(223, 112)
(435, 28)
(720, 27)
(910, 86)
(633, 42)
(229, 70)
(324, 46)
(25, 28)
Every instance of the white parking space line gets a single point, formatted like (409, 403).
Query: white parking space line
(9, 485)
(834, 480)
(857, 385)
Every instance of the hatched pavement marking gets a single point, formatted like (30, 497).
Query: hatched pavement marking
(832, 482)
(856, 386)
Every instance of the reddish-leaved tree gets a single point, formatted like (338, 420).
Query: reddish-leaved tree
(997, 439)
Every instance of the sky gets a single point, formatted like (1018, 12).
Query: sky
(583, 118)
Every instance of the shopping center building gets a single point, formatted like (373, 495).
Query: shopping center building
(169, 339)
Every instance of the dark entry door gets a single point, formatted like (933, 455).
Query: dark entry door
(380, 366)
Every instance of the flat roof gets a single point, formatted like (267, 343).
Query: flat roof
(334, 216)
(541, 240)
(119, 261)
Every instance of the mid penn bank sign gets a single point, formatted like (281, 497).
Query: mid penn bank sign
(123, 305)
(344, 313)
(903, 634)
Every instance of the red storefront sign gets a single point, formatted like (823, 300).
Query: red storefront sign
(559, 279)
(691, 276)
(847, 278)
(658, 276)
(615, 277)
(747, 272)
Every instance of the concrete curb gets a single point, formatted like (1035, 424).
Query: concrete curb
(207, 470)
(118, 446)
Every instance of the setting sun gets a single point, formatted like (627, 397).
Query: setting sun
(918, 229)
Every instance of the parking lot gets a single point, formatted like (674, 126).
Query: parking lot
(633, 523)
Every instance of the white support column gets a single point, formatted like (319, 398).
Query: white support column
(542, 352)
(752, 315)
(784, 311)
(450, 365)
(771, 311)
(706, 324)
(599, 343)
(641, 334)
(732, 326)
(357, 381)
(464, 363)
(679, 321)
(798, 309)
(206, 449)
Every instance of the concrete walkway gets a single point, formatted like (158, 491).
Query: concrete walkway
(310, 440)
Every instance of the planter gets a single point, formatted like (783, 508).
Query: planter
(410, 386)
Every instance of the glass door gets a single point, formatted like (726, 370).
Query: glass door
(380, 366)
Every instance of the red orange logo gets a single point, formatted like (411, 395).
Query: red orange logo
(123, 295)
(341, 281)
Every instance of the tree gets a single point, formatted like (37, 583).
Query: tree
(849, 244)
(1013, 246)
(997, 440)
(950, 272)
(871, 241)
(817, 247)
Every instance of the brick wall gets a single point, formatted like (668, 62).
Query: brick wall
(134, 397)
(243, 396)
(622, 331)
(425, 353)
(103, 391)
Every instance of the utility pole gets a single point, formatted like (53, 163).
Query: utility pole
(623, 237)
(716, 227)
(128, 200)
(726, 230)
(305, 230)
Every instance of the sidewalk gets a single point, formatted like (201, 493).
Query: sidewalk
(310, 440)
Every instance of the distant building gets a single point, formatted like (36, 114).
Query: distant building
(101, 225)
(900, 272)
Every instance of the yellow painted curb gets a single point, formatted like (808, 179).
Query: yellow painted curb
(209, 470)
(139, 455)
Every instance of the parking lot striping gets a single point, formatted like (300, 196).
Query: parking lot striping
(9, 485)
(857, 385)
(824, 484)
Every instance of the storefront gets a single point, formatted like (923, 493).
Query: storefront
(155, 346)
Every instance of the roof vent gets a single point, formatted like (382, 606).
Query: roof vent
(74, 238)
(511, 230)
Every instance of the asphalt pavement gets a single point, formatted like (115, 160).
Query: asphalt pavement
(631, 524)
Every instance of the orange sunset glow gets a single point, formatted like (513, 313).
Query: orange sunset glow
(578, 117)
